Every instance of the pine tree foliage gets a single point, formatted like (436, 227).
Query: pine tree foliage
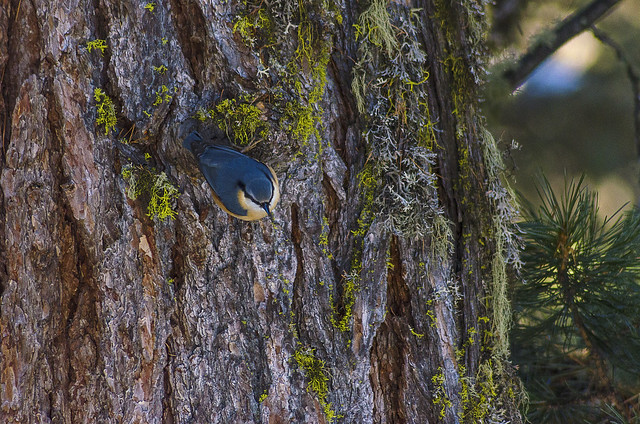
(577, 329)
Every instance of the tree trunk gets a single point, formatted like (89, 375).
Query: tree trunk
(377, 295)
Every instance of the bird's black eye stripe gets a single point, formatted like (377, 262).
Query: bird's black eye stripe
(247, 195)
(251, 198)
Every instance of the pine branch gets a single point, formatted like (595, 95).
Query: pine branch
(568, 28)
(576, 316)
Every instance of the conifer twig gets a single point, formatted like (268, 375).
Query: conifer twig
(633, 73)
(565, 31)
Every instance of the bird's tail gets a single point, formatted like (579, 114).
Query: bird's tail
(193, 142)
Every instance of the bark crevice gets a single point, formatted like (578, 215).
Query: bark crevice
(296, 238)
(389, 350)
(191, 32)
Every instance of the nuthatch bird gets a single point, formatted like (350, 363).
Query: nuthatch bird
(242, 186)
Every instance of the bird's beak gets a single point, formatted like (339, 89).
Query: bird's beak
(266, 209)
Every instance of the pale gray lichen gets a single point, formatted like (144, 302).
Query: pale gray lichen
(389, 84)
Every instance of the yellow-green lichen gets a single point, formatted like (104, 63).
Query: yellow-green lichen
(432, 318)
(97, 44)
(341, 317)
(160, 69)
(439, 397)
(150, 6)
(477, 394)
(162, 95)
(389, 260)
(156, 186)
(465, 172)
(459, 92)
(202, 115)
(241, 120)
(162, 195)
(300, 74)
(317, 378)
(483, 395)
(248, 26)
(368, 179)
(471, 336)
(324, 238)
(302, 115)
(426, 131)
(374, 25)
(106, 111)
(418, 335)
(300, 121)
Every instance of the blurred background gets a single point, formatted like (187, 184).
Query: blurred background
(575, 113)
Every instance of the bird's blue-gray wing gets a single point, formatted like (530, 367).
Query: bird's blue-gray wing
(222, 167)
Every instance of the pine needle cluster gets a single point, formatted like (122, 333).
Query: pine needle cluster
(576, 336)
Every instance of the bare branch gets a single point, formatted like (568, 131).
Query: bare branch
(632, 73)
(568, 28)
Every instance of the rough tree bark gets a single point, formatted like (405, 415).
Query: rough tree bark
(376, 295)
